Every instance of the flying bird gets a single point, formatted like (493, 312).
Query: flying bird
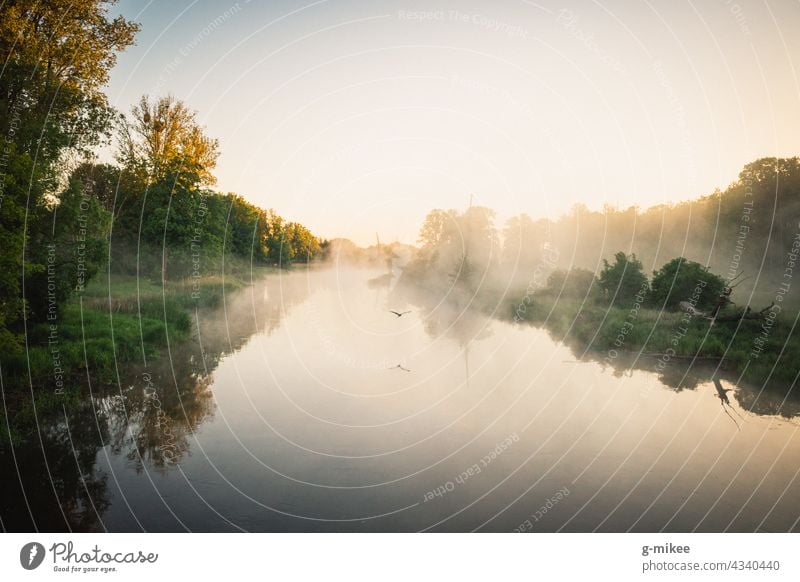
(397, 313)
(400, 366)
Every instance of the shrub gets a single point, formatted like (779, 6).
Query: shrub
(623, 279)
(684, 280)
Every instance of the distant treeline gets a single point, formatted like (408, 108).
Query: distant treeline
(748, 230)
(671, 282)
(63, 217)
(749, 233)
(165, 229)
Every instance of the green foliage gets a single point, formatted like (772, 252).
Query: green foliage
(56, 59)
(12, 243)
(573, 283)
(166, 226)
(110, 325)
(303, 245)
(71, 240)
(190, 232)
(684, 280)
(623, 279)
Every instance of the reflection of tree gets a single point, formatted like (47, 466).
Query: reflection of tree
(452, 315)
(460, 325)
(67, 493)
(679, 374)
(684, 374)
(259, 308)
(676, 373)
(152, 421)
(456, 317)
(785, 404)
(149, 417)
(380, 282)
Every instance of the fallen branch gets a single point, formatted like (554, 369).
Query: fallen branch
(746, 314)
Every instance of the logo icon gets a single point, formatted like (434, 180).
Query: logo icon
(31, 555)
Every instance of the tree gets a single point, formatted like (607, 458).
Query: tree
(72, 238)
(12, 243)
(162, 138)
(523, 240)
(622, 280)
(104, 182)
(165, 158)
(464, 245)
(56, 60)
(684, 280)
(304, 245)
(436, 229)
(244, 223)
(278, 249)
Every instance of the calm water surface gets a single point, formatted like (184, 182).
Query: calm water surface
(286, 412)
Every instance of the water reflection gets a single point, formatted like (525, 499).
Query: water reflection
(692, 374)
(453, 315)
(60, 489)
(774, 402)
(148, 418)
(283, 413)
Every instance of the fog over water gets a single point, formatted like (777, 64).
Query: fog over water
(297, 419)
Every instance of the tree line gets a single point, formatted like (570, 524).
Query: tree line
(63, 216)
(745, 232)
(748, 234)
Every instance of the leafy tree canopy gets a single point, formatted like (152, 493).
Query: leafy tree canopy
(161, 138)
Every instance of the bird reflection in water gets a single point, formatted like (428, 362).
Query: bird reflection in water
(722, 394)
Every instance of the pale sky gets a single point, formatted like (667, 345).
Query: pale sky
(357, 117)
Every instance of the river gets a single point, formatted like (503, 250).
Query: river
(287, 411)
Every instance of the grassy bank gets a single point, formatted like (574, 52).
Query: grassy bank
(602, 330)
(111, 324)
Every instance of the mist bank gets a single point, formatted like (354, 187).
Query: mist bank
(710, 278)
(749, 232)
(751, 228)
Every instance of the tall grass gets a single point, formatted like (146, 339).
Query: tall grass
(105, 327)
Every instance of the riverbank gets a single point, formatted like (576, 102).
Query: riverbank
(761, 352)
(115, 322)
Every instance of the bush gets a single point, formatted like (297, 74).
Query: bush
(684, 280)
(623, 280)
